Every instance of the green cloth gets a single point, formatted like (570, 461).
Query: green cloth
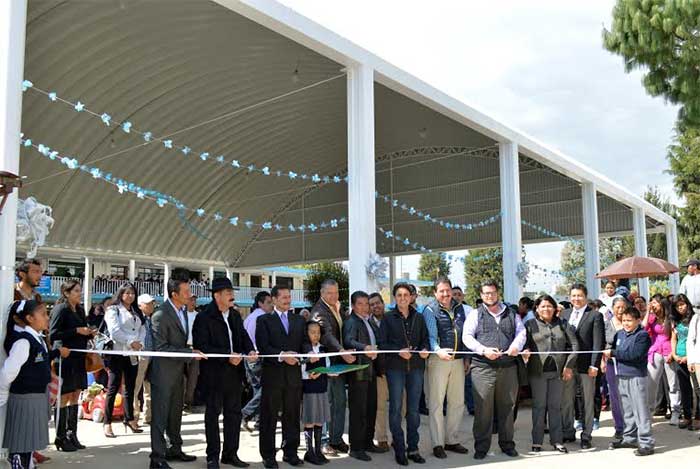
(682, 336)
(338, 369)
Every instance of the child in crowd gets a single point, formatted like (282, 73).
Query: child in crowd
(629, 350)
(24, 379)
(316, 408)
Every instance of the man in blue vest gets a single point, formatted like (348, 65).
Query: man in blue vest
(497, 335)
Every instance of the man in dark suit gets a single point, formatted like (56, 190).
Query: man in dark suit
(169, 327)
(328, 313)
(280, 333)
(219, 329)
(590, 332)
(360, 333)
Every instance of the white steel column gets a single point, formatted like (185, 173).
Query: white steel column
(510, 222)
(640, 245)
(211, 275)
(132, 270)
(229, 274)
(672, 255)
(392, 272)
(273, 279)
(166, 278)
(590, 238)
(361, 210)
(87, 284)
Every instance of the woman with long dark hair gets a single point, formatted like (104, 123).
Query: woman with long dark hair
(126, 327)
(69, 329)
(681, 314)
(660, 358)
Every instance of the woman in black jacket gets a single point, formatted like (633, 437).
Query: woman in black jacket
(404, 329)
(548, 333)
(68, 328)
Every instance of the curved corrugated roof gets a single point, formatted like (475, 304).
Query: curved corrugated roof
(169, 65)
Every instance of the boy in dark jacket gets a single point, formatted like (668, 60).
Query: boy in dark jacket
(629, 350)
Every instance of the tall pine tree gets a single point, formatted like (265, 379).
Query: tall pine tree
(432, 266)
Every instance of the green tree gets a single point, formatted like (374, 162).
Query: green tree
(480, 265)
(661, 37)
(573, 257)
(656, 242)
(432, 266)
(327, 270)
(684, 159)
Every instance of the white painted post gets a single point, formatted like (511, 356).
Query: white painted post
(87, 284)
(166, 277)
(640, 245)
(590, 238)
(229, 274)
(132, 270)
(273, 279)
(672, 255)
(13, 19)
(510, 221)
(361, 210)
(211, 275)
(392, 272)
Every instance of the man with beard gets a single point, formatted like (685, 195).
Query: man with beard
(219, 329)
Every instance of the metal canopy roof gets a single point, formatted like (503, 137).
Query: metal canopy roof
(167, 65)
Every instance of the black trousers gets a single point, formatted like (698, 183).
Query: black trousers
(686, 389)
(362, 401)
(167, 399)
(121, 366)
(223, 394)
(276, 397)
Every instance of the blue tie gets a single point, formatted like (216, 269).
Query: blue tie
(285, 322)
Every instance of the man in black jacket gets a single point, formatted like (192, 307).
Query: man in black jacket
(219, 329)
(360, 333)
(590, 332)
(328, 313)
(280, 333)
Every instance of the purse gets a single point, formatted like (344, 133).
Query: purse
(93, 362)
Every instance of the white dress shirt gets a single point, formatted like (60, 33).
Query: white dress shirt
(576, 316)
(228, 328)
(690, 287)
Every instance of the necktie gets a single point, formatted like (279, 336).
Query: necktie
(285, 322)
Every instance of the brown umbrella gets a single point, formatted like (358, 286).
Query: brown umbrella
(638, 267)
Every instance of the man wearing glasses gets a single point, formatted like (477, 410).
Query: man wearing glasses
(497, 335)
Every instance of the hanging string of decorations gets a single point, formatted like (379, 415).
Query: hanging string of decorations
(148, 137)
(161, 199)
(550, 233)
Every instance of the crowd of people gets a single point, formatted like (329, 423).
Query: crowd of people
(386, 365)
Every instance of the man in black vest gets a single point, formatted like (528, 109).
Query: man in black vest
(590, 332)
(280, 333)
(219, 329)
(497, 334)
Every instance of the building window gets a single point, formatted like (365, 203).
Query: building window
(118, 271)
(256, 281)
(287, 282)
(149, 273)
(66, 269)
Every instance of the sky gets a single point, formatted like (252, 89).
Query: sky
(538, 66)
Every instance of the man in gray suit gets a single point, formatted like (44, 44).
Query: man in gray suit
(169, 325)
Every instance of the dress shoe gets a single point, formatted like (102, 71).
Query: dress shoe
(569, 440)
(561, 448)
(270, 463)
(293, 460)
(511, 452)
(401, 459)
(341, 447)
(234, 461)
(416, 457)
(383, 445)
(644, 451)
(536, 449)
(360, 455)
(180, 457)
(329, 451)
(585, 444)
(376, 449)
(479, 455)
(159, 465)
(617, 444)
(457, 448)
(213, 465)
(439, 452)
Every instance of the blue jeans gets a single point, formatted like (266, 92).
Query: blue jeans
(253, 371)
(339, 403)
(468, 396)
(412, 382)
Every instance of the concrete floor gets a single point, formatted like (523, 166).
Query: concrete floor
(674, 447)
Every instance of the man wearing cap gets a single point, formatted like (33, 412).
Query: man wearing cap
(147, 305)
(219, 329)
(690, 286)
